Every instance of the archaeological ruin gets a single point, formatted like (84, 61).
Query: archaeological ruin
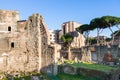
(24, 45)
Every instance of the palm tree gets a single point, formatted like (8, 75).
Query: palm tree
(67, 39)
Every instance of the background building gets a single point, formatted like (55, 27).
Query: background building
(54, 36)
(71, 26)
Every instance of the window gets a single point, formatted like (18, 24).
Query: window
(12, 44)
(43, 43)
(9, 28)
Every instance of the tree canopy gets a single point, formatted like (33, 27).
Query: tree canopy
(99, 22)
(66, 38)
(83, 28)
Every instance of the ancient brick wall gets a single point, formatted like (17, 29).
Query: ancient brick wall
(38, 40)
(97, 55)
(100, 51)
(21, 25)
(8, 19)
(29, 50)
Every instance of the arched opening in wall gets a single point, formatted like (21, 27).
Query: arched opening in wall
(12, 44)
(9, 28)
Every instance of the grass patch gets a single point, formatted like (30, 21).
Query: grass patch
(63, 76)
(25, 78)
(94, 66)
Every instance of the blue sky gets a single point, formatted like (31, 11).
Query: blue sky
(56, 12)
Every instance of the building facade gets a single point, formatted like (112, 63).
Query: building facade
(54, 36)
(70, 27)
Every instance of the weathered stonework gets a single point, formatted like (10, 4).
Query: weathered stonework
(8, 19)
(25, 48)
(95, 54)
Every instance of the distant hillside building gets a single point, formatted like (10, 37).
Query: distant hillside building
(71, 26)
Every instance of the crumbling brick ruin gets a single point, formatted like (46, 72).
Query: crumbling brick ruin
(24, 44)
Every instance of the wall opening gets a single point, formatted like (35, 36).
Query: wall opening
(12, 44)
(43, 43)
(9, 28)
(119, 77)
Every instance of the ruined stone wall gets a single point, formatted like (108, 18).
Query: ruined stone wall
(38, 42)
(4, 43)
(8, 18)
(30, 51)
(8, 23)
(100, 51)
(47, 52)
(47, 61)
(86, 53)
(78, 41)
(21, 25)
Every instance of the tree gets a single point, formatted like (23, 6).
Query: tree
(108, 39)
(105, 22)
(116, 33)
(92, 40)
(100, 23)
(110, 22)
(85, 29)
(67, 39)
